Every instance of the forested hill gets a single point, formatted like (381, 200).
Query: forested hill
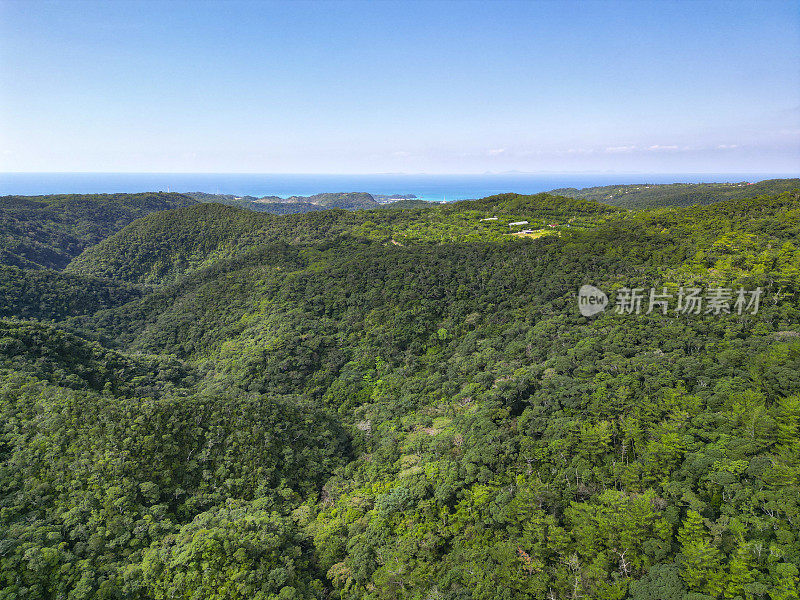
(164, 246)
(350, 200)
(642, 196)
(407, 203)
(543, 204)
(407, 404)
(49, 231)
(267, 204)
(294, 204)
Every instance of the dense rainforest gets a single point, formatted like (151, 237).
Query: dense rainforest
(294, 204)
(200, 401)
(639, 196)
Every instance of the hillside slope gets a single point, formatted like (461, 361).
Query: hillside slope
(347, 200)
(407, 404)
(43, 294)
(546, 204)
(161, 247)
(294, 204)
(644, 196)
(48, 231)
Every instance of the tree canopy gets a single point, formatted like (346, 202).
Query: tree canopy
(209, 402)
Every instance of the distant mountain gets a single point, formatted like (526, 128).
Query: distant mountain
(347, 201)
(386, 199)
(641, 196)
(221, 198)
(294, 204)
(266, 204)
(408, 203)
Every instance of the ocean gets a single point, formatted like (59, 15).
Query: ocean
(426, 187)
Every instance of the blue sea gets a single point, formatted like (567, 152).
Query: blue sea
(426, 187)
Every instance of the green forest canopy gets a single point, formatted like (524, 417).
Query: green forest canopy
(639, 196)
(199, 401)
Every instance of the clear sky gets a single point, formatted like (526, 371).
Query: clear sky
(371, 87)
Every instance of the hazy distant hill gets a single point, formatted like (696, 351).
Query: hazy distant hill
(266, 204)
(387, 199)
(408, 203)
(348, 201)
(677, 194)
(220, 198)
(294, 204)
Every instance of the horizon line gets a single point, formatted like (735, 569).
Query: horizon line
(403, 173)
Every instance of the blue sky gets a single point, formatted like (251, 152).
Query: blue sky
(437, 87)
